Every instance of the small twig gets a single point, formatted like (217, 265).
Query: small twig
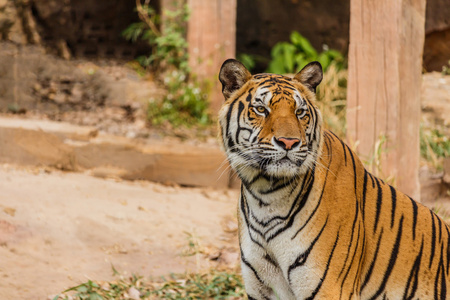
(144, 17)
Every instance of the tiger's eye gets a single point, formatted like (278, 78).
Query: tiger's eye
(261, 109)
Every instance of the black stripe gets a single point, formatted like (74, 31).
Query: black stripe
(443, 281)
(379, 200)
(239, 127)
(439, 294)
(351, 239)
(270, 260)
(440, 228)
(301, 259)
(392, 261)
(413, 279)
(364, 194)
(300, 206)
(433, 239)
(320, 199)
(244, 209)
(358, 280)
(254, 179)
(353, 259)
(228, 134)
(343, 147)
(251, 267)
(261, 203)
(394, 202)
(275, 187)
(309, 218)
(294, 204)
(448, 247)
(354, 166)
(249, 96)
(316, 290)
(372, 264)
(373, 182)
(414, 223)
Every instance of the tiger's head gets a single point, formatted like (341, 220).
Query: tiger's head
(268, 123)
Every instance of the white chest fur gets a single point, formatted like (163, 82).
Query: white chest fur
(276, 262)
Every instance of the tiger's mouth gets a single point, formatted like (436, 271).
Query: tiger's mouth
(284, 166)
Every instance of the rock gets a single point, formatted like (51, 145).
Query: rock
(59, 98)
(34, 148)
(134, 294)
(71, 147)
(62, 130)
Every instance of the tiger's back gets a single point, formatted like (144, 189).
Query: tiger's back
(313, 223)
(397, 248)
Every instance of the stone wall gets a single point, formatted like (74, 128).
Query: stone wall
(33, 80)
(72, 28)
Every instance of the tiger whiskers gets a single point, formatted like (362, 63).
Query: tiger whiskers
(321, 166)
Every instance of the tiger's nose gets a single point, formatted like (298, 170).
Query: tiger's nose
(287, 143)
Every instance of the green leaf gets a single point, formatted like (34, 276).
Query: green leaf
(300, 62)
(303, 45)
(324, 60)
(277, 66)
(296, 38)
(247, 59)
(82, 289)
(288, 56)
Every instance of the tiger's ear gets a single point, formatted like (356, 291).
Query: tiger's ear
(233, 75)
(311, 75)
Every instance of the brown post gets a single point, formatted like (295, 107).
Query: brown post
(385, 63)
(212, 39)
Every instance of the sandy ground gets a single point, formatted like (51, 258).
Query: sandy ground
(60, 229)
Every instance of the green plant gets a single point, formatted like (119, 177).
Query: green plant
(186, 100)
(169, 47)
(374, 162)
(291, 57)
(248, 60)
(185, 103)
(434, 145)
(446, 69)
(208, 285)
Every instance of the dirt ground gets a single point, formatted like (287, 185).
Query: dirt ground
(60, 229)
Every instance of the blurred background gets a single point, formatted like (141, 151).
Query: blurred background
(113, 105)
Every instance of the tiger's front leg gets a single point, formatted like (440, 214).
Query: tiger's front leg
(263, 278)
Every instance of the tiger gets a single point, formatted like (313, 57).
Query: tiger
(313, 222)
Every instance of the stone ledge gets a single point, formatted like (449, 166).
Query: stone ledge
(77, 148)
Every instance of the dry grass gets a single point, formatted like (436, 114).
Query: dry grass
(208, 285)
(332, 99)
